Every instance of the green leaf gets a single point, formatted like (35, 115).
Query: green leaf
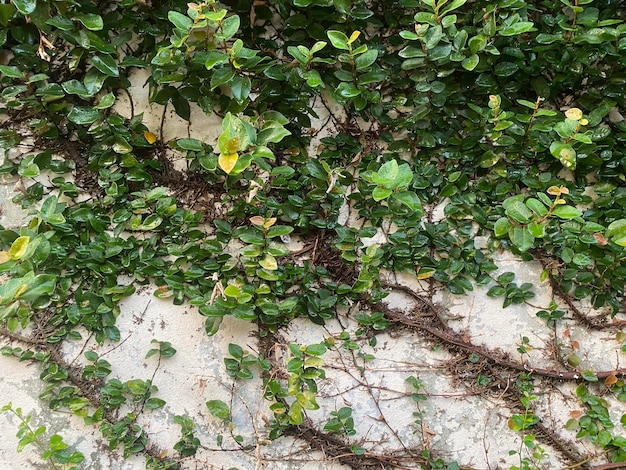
(338, 39)
(307, 399)
(6, 13)
(502, 227)
(278, 231)
(94, 80)
(261, 151)
(83, 116)
(245, 311)
(381, 193)
(313, 78)
(347, 90)
(181, 106)
(235, 350)
(154, 403)
(106, 64)
(221, 76)
(545, 38)
(230, 26)
(518, 211)
(404, 177)
(452, 6)
(214, 58)
(212, 325)
(489, 159)
(496, 291)
(477, 43)
(386, 174)
(581, 259)
(409, 199)
(151, 222)
(182, 22)
(296, 415)
(536, 206)
(439, 52)
(616, 228)
(589, 376)
(316, 349)
(517, 28)
(251, 235)
(219, 409)
(410, 35)
(537, 230)
(25, 7)
(566, 212)
(585, 139)
(11, 71)
(464, 283)
(106, 101)
(521, 238)
(274, 134)
(318, 46)
(61, 22)
(297, 53)
(470, 63)
(187, 143)
(41, 284)
(366, 59)
(91, 21)
(505, 69)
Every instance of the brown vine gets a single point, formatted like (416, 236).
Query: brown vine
(89, 389)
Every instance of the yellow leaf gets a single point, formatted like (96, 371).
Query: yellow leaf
(354, 36)
(232, 146)
(19, 247)
(4, 257)
(554, 191)
(227, 161)
(424, 273)
(269, 222)
(574, 114)
(150, 137)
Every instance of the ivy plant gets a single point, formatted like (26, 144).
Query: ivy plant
(356, 141)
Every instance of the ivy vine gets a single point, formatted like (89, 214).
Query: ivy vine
(378, 137)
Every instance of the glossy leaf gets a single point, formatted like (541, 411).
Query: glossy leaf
(106, 64)
(338, 39)
(25, 7)
(566, 212)
(91, 21)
